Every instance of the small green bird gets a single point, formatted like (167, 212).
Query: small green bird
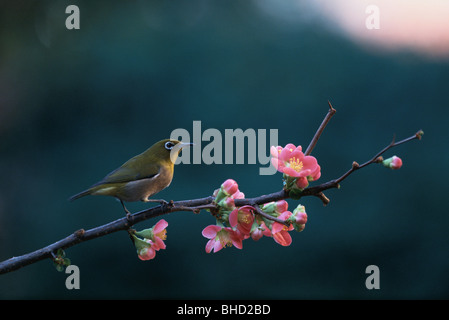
(141, 176)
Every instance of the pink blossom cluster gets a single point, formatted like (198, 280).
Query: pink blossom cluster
(235, 224)
(151, 240)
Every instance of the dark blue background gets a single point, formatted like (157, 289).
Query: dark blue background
(76, 104)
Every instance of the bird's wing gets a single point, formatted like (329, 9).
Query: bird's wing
(130, 171)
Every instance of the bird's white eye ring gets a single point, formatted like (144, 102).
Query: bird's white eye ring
(169, 145)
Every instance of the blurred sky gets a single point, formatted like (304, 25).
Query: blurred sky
(76, 104)
(422, 26)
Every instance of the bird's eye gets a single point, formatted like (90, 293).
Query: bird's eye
(169, 145)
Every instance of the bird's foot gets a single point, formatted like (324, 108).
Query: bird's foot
(162, 202)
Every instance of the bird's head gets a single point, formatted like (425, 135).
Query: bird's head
(167, 150)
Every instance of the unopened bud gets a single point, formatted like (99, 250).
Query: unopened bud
(393, 163)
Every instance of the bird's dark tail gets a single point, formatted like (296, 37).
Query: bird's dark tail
(81, 194)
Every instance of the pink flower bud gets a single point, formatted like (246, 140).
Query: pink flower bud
(238, 195)
(302, 182)
(300, 218)
(227, 203)
(396, 163)
(230, 187)
(257, 234)
(147, 253)
(281, 206)
(393, 162)
(275, 207)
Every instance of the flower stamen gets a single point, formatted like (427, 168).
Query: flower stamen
(162, 235)
(296, 164)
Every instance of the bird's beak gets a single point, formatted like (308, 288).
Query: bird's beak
(177, 149)
(185, 144)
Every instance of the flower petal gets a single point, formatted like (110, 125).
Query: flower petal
(283, 238)
(236, 240)
(275, 151)
(291, 172)
(210, 245)
(158, 243)
(309, 162)
(218, 245)
(160, 226)
(233, 217)
(210, 231)
(305, 173)
(275, 163)
(276, 227)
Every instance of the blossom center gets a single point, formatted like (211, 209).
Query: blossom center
(162, 235)
(244, 218)
(296, 164)
(225, 242)
(224, 239)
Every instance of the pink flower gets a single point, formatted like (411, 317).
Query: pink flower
(242, 218)
(153, 240)
(292, 162)
(280, 231)
(221, 237)
(159, 234)
(230, 187)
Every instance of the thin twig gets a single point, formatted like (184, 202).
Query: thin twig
(320, 130)
(267, 216)
(355, 166)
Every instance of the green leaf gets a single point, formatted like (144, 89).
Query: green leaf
(58, 266)
(60, 253)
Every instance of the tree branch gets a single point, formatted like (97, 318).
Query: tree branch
(195, 205)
